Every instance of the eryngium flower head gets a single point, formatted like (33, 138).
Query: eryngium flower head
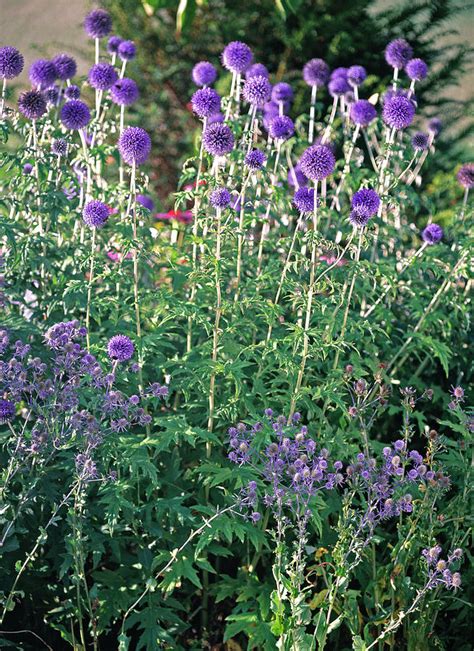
(220, 198)
(204, 73)
(257, 90)
(42, 73)
(59, 147)
(281, 127)
(206, 102)
(419, 141)
(398, 111)
(432, 234)
(7, 411)
(113, 44)
(218, 139)
(72, 92)
(98, 23)
(120, 348)
(465, 176)
(363, 112)
(66, 66)
(317, 162)
(11, 62)
(32, 104)
(316, 72)
(303, 199)
(255, 159)
(365, 202)
(237, 56)
(338, 85)
(146, 202)
(75, 114)
(95, 214)
(134, 145)
(127, 50)
(416, 69)
(257, 70)
(398, 53)
(356, 75)
(102, 76)
(124, 92)
(282, 92)
(435, 126)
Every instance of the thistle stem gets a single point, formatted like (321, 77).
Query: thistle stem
(312, 113)
(215, 334)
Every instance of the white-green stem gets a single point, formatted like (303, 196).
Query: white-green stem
(312, 114)
(327, 131)
(97, 48)
(122, 69)
(215, 334)
(347, 167)
(4, 88)
(420, 163)
(371, 153)
(38, 192)
(266, 224)
(89, 288)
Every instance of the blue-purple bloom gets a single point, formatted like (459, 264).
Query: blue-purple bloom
(127, 50)
(296, 177)
(124, 92)
(338, 85)
(113, 44)
(237, 57)
(303, 199)
(134, 145)
(257, 91)
(95, 214)
(102, 76)
(419, 141)
(32, 104)
(11, 62)
(398, 53)
(365, 202)
(356, 75)
(465, 175)
(98, 23)
(432, 234)
(218, 139)
(255, 159)
(362, 112)
(42, 73)
(59, 147)
(416, 69)
(398, 111)
(220, 198)
(146, 202)
(282, 92)
(66, 66)
(206, 102)
(204, 73)
(75, 114)
(72, 92)
(120, 348)
(317, 162)
(7, 411)
(316, 72)
(27, 168)
(435, 126)
(281, 127)
(257, 70)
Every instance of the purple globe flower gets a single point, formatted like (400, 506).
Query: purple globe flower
(113, 44)
(338, 85)
(127, 50)
(146, 202)
(281, 127)
(357, 219)
(32, 104)
(220, 198)
(435, 126)
(237, 57)
(339, 72)
(66, 66)
(317, 162)
(255, 159)
(416, 69)
(465, 176)
(134, 145)
(27, 168)
(7, 411)
(218, 139)
(124, 92)
(206, 102)
(398, 112)
(398, 53)
(303, 199)
(362, 112)
(59, 147)
(316, 72)
(296, 177)
(42, 73)
(432, 234)
(204, 73)
(257, 70)
(95, 214)
(356, 75)
(11, 62)
(282, 92)
(365, 202)
(120, 348)
(72, 92)
(98, 23)
(75, 114)
(102, 76)
(420, 141)
(257, 90)
(52, 95)
(215, 117)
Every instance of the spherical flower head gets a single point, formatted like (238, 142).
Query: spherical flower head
(134, 145)
(72, 92)
(146, 202)
(11, 62)
(420, 141)
(66, 66)
(303, 199)
(317, 162)
(338, 85)
(220, 198)
(356, 75)
(255, 159)
(218, 139)
(316, 72)
(281, 127)
(102, 76)
(282, 92)
(124, 92)
(113, 44)
(59, 147)
(365, 202)
(398, 111)
(465, 176)
(416, 69)
(398, 53)
(204, 73)
(32, 104)
(296, 177)
(27, 168)
(435, 126)
(362, 112)
(7, 411)
(127, 50)
(257, 91)
(432, 234)
(95, 214)
(75, 114)
(237, 57)
(120, 348)
(42, 73)
(257, 70)
(206, 102)
(98, 23)
(358, 219)
(52, 95)
(215, 117)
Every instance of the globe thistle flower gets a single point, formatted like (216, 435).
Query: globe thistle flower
(282, 92)
(303, 199)
(281, 127)
(215, 117)
(416, 69)
(316, 72)
(127, 50)
(420, 141)
(98, 23)
(218, 139)
(398, 111)
(398, 53)
(317, 162)
(72, 92)
(356, 75)
(102, 76)
(113, 44)
(66, 66)
(435, 126)
(52, 95)
(75, 114)
(220, 198)
(134, 145)
(120, 348)
(465, 176)
(362, 112)
(95, 214)
(204, 73)
(338, 86)
(432, 234)
(206, 102)
(255, 159)
(146, 202)
(365, 202)
(7, 411)
(27, 168)
(59, 147)
(257, 91)
(257, 70)
(296, 177)
(124, 92)
(237, 57)
(11, 62)
(32, 104)
(42, 73)
(340, 72)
